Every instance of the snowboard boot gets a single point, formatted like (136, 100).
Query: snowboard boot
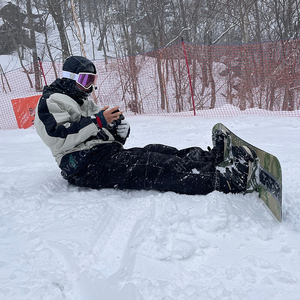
(236, 178)
(246, 162)
(243, 153)
(217, 153)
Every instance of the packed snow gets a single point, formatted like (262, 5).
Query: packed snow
(62, 242)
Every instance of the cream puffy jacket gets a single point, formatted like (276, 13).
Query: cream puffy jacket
(67, 125)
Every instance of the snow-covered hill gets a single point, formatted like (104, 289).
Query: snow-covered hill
(61, 242)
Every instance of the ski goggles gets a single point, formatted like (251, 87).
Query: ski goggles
(86, 80)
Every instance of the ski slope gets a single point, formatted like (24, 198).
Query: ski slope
(61, 242)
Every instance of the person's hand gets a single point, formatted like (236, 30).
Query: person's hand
(106, 116)
(111, 114)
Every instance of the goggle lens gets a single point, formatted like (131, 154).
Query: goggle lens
(86, 80)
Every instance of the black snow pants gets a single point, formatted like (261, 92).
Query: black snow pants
(157, 167)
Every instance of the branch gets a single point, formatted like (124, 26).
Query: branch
(183, 29)
(220, 37)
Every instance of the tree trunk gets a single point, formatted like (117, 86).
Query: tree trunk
(209, 56)
(56, 12)
(81, 17)
(78, 28)
(37, 74)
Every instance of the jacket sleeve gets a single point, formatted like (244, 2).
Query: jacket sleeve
(60, 123)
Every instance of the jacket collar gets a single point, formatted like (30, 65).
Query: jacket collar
(67, 87)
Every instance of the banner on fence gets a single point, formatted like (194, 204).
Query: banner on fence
(24, 109)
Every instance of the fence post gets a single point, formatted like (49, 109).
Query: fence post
(3, 75)
(190, 80)
(42, 70)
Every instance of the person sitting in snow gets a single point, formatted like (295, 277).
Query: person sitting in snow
(87, 143)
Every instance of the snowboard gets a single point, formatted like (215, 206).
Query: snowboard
(265, 176)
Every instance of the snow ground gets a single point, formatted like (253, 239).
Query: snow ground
(63, 242)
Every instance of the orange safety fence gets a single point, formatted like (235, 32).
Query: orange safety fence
(181, 79)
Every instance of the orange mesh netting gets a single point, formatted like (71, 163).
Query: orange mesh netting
(181, 79)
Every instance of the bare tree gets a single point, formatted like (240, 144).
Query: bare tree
(56, 12)
(37, 73)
